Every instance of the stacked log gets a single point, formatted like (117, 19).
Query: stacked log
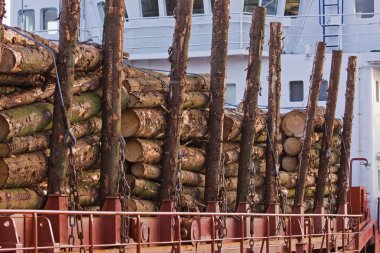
(292, 127)
(27, 84)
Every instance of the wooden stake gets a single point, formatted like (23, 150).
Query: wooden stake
(2, 13)
(316, 80)
(111, 100)
(178, 58)
(347, 131)
(336, 63)
(219, 48)
(251, 99)
(273, 115)
(68, 36)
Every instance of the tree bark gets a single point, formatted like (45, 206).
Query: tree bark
(219, 48)
(19, 198)
(6, 91)
(232, 182)
(316, 80)
(86, 57)
(347, 131)
(232, 155)
(332, 98)
(233, 122)
(87, 152)
(68, 36)
(251, 99)
(179, 59)
(161, 83)
(157, 99)
(25, 120)
(143, 188)
(273, 115)
(150, 123)
(112, 79)
(22, 80)
(41, 141)
(147, 151)
(84, 106)
(140, 205)
(153, 172)
(23, 170)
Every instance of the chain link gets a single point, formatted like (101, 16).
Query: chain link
(125, 196)
(178, 186)
(222, 199)
(74, 198)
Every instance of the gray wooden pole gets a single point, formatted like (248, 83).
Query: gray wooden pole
(336, 64)
(68, 36)
(179, 59)
(250, 103)
(217, 97)
(112, 78)
(273, 115)
(316, 80)
(347, 131)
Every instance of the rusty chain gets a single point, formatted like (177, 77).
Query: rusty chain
(251, 204)
(222, 200)
(125, 195)
(74, 198)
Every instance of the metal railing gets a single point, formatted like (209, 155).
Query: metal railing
(237, 237)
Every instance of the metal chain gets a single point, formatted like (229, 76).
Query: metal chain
(252, 204)
(178, 186)
(222, 204)
(74, 198)
(280, 191)
(125, 195)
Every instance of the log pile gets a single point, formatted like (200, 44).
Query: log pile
(27, 84)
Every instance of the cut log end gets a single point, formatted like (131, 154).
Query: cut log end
(7, 61)
(292, 146)
(293, 123)
(129, 118)
(4, 128)
(134, 151)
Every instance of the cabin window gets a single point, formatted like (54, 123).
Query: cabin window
(231, 94)
(149, 8)
(101, 7)
(377, 91)
(292, 7)
(365, 6)
(101, 11)
(296, 91)
(323, 90)
(198, 7)
(49, 19)
(270, 5)
(26, 20)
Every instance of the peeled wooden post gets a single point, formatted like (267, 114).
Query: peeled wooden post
(336, 63)
(219, 48)
(347, 131)
(68, 35)
(273, 115)
(111, 99)
(178, 58)
(250, 103)
(2, 13)
(316, 80)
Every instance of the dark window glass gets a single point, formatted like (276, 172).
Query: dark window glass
(365, 6)
(292, 7)
(48, 16)
(231, 94)
(323, 91)
(249, 4)
(271, 6)
(26, 20)
(296, 91)
(150, 8)
(198, 7)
